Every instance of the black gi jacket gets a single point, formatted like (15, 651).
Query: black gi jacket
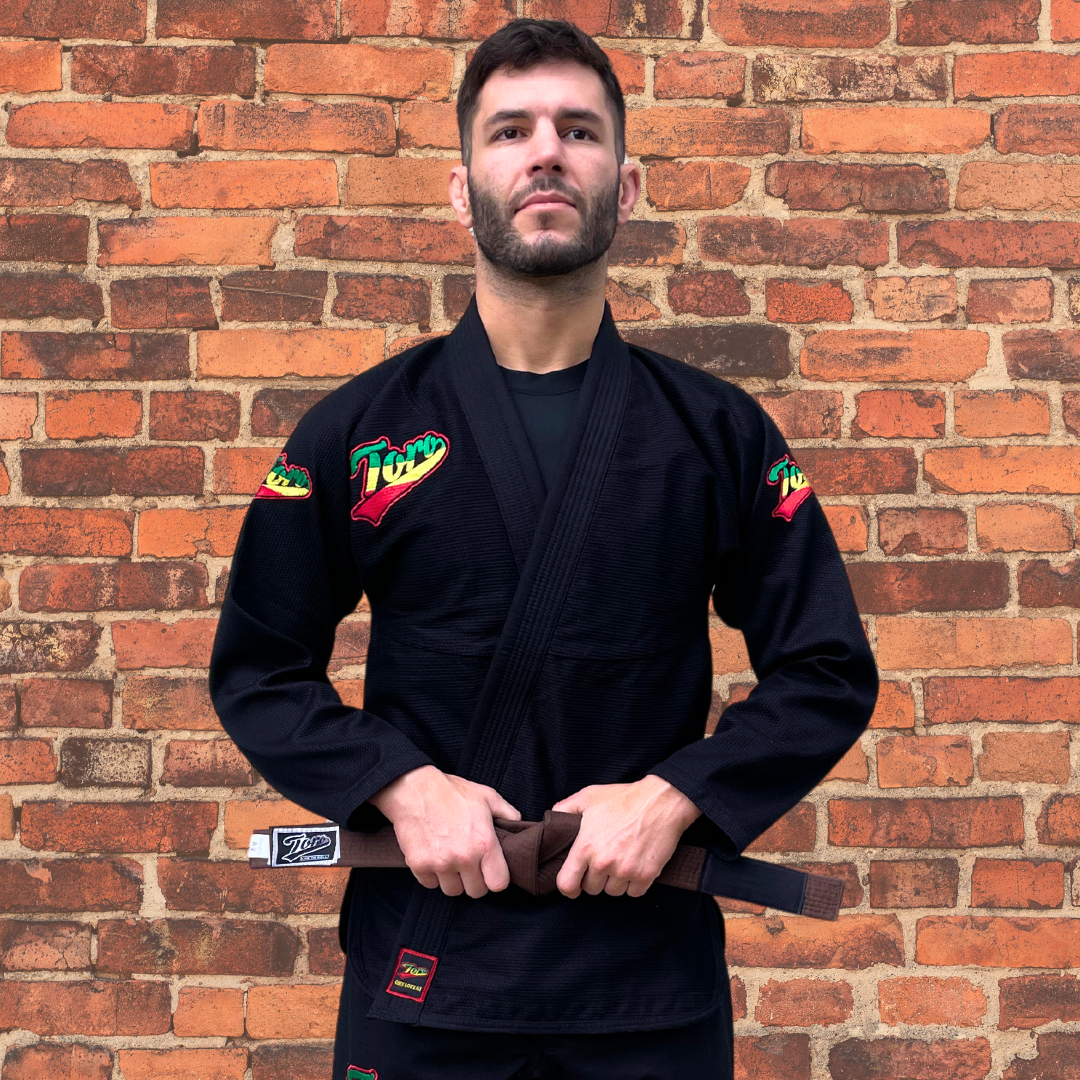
(414, 483)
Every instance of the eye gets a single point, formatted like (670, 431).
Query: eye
(514, 132)
(581, 131)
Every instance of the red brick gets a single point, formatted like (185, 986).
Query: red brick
(1042, 354)
(66, 296)
(93, 414)
(672, 131)
(118, 20)
(105, 762)
(326, 958)
(470, 21)
(942, 1059)
(1016, 74)
(1070, 409)
(244, 185)
(1050, 244)
(999, 469)
(697, 75)
(70, 885)
(695, 185)
(925, 760)
(141, 644)
(29, 66)
(996, 941)
(359, 69)
(305, 20)
(798, 77)
(849, 526)
(397, 181)
(899, 414)
(978, 22)
(43, 946)
(138, 470)
(196, 947)
(926, 823)
(355, 127)
(1001, 700)
(383, 298)
(1042, 758)
(205, 763)
(148, 303)
(972, 642)
(27, 761)
(181, 415)
(802, 301)
(187, 533)
(926, 1000)
(1037, 129)
(383, 239)
(886, 129)
(989, 414)
(209, 1011)
(859, 472)
(230, 886)
(1025, 185)
(890, 588)
(1017, 883)
(7, 817)
(739, 349)
(647, 243)
(853, 942)
(1029, 1001)
(93, 356)
(911, 299)
(844, 24)
(113, 587)
(38, 530)
(292, 1012)
(76, 1061)
(654, 18)
(428, 125)
(9, 720)
(284, 1062)
(1064, 21)
(118, 826)
(186, 241)
(627, 304)
(81, 703)
(320, 353)
(1044, 585)
(772, 1057)
(44, 238)
(273, 296)
(795, 831)
(804, 414)
(83, 124)
(709, 293)
(1059, 822)
(277, 411)
(161, 704)
(803, 1002)
(179, 1064)
(104, 1008)
(812, 242)
(813, 185)
(1022, 527)
(1057, 1057)
(922, 531)
(52, 646)
(629, 68)
(196, 69)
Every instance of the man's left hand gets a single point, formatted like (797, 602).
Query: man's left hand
(628, 833)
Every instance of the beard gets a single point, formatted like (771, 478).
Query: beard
(504, 247)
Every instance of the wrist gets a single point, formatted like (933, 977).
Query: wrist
(682, 808)
(400, 794)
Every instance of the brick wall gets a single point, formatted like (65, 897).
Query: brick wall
(217, 210)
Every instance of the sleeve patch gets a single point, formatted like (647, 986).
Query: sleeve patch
(285, 481)
(794, 487)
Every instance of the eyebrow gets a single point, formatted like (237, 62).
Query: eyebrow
(503, 115)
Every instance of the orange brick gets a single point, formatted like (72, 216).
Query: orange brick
(17, 415)
(1002, 700)
(398, 181)
(29, 66)
(1064, 20)
(728, 650)
(852, 766)
(927, 1000)
(803, 414)
(1017, 73)
(627, 305)
(888, 129)
(895, 706)
(830, 23)
(1022, 185)
(319, 353)
(1042, 758)
(1022, 527)
(996, 941)
(27, 761)
(911, 299)
(695, 185)
(924, 761)
(119, 125)
(803, 1002)
(428, 125)
(7, 817)
(899, 414)
(373, 238)
(292, 1012)
(986, 414)
(93, 414)
(365, 70)
(183, 534)
(229, 1063)
(629, 68)
(1016, 469)
(241, 471)
(926, 823)
(699, 75)
(1017, 883)
(972, 642)
(243, 185)
(799, 301)
(146, 643)
(470, 22)
(244, 816)
(912, 883)
(894, 355)
(670, 131)
(852, 942)
(185, 241)
(209, 1011)
(354, 128)
(849, 526)
(165, 704)
(922, 530)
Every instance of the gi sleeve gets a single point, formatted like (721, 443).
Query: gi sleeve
(293, 579)
(779, 578)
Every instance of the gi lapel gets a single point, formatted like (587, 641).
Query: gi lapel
(547, 556)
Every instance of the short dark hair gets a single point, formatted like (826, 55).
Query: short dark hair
(524, 43)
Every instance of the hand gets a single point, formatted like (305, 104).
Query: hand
(628, 833)
(443, 825)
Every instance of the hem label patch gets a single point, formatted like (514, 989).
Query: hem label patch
(412, 975)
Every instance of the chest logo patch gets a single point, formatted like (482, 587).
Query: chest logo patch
(794, 487)
(387, 473)
(356, 1073)
(412, 976)
(285, 481)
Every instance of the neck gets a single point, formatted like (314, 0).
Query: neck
(540, 324)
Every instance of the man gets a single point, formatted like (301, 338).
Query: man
(539, 516)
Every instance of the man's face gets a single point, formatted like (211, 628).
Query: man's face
(543, 182)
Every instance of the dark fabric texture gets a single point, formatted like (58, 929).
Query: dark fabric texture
(682, 516)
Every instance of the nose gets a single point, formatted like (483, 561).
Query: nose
(546, 147)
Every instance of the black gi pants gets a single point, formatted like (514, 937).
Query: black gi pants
(384, 1050)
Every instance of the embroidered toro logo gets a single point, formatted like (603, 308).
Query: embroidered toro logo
(389, 472)
(285, 481)
(412, 976)
(794, 487)
(356, 1073)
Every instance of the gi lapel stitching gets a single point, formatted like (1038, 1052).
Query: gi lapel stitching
(546, 573)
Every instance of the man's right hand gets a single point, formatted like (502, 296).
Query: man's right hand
(445, 831)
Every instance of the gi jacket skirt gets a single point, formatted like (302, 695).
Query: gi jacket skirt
(539, 645)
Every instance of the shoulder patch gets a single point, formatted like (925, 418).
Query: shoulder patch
(285, 481)
(389, 472)
(794, 487)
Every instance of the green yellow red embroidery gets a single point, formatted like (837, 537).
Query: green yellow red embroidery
(356, 1073)
(794, 487)
(285, 481)
(389, 472)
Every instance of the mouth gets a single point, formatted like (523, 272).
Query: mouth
(545, 200)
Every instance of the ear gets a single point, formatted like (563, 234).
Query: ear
(629, 189)
(459, 195)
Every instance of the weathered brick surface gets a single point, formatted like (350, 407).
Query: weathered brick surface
(930, 1000)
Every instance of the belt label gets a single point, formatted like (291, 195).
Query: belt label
(412, 975)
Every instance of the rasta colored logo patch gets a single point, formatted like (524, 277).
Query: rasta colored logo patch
(412, 976)
(285, 481)
(356, 1073)
(388, 472)
(794, 487)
